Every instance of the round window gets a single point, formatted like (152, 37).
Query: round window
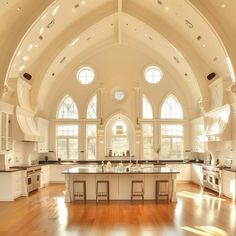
(119, 95)
(152, 74)
(85, 75)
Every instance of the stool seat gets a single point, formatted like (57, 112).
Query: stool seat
(137, 192)
(160, 192)
(104, 193)
(79, 193)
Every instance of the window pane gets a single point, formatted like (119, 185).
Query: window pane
(171, 109)
(91, 141)
(85, 75)
(67, 109)
(61, 148)
(73, 148)
(152, 74)
(119, 128)
(119, 144)
(172, 141)
(147, 109)
(92, 108)
(147, 133)
(67, 141)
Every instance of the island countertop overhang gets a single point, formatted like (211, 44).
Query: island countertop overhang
(98, 170)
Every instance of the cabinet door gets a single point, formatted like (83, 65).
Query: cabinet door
(229, 184)
(18, 182)
(186, 169)
(43, 126)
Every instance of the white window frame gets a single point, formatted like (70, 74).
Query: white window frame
(91, 136)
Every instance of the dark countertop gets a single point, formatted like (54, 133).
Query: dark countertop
(230, 169)
(95, 162)
(132, 170)
(11, 170)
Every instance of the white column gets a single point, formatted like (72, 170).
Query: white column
(173, 181)
(68, 197)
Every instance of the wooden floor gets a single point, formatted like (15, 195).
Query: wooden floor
(45, 213)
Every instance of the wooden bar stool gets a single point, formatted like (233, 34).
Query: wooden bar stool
(102, 190)
(137, 189)
(78, 190)
(159, 192)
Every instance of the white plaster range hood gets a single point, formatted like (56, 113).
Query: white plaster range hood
(25, 127)
(218, 124)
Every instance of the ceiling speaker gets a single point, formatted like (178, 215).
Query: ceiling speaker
(211, 76)
(27, 76)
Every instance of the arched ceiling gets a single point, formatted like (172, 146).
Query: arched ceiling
(52, 35)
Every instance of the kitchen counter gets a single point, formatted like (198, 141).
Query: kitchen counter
(120, 179)
(11, 170)
(118, 170)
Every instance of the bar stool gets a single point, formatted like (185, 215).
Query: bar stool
(102, 190)
(79, 191)
(159, 192)
(137, 189)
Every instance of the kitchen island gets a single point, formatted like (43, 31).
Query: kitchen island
(120, 180)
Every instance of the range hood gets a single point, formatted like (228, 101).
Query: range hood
(25, 126)
(218, 124)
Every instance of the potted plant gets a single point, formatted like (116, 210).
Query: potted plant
(157, 151)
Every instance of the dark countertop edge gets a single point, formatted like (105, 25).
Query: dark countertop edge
(50, 162)
(11, 170)
(118, 173)
(229, 169)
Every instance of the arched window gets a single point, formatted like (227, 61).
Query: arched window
(171, 109)
(92, 108)
(147, 109)
(67, 109)
(119, 138)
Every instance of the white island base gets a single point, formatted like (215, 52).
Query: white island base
(120, 182)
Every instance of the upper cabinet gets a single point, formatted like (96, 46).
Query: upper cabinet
(43, 127)
(6, 119)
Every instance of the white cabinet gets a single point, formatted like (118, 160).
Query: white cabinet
(6, 120)
(197, 175)
(55, 173)
(45, 170)
(229, 184)
(12, 185)
(43, 127)
(184, 169)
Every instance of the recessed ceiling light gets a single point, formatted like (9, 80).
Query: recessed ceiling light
(145, 35)
(21, 68)
(40, 37)
(30, 47)
(53, 74)
(204, 45)
(88, 38)
(215, 58)
(223, 5)
(83, 2)
(73, 10)
(167, 8)
(55, 10)
(43, 17)
(25, 58)
(19, 9)
(150, 38)
(41, 30)
(36, 45)
(185, 74)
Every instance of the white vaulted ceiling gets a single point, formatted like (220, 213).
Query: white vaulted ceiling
(46, 38)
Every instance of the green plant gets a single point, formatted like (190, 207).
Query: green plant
(157, 149)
